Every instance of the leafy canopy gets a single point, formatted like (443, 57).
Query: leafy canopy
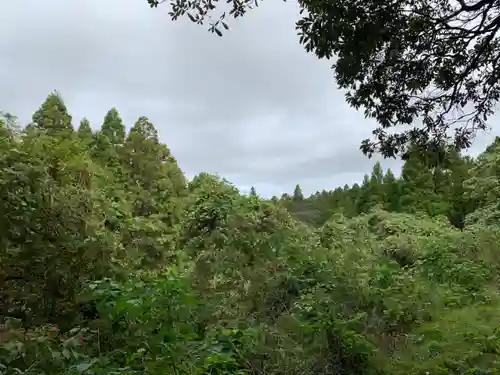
(429, 65)
(111, 262)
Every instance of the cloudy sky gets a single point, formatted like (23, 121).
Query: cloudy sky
(251, 106)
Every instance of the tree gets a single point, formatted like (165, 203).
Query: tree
(403, 61)
(376, 184)
(84, 130)
(52, 219)
(113, 127)
(392, 192)
(52, 115)
(103, 152)
(253, 192)
(457, 194)
(144, 129)
(364, 201)
(152, 173)
(482, 188)
(297, 193)
(418, 188)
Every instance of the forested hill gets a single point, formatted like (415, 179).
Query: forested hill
(112, 263)
(431, 189)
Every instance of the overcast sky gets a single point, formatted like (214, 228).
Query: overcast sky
(251, 106)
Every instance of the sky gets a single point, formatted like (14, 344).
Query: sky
(251, 106)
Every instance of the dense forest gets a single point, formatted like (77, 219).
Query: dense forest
(435, 189)
(111, 262)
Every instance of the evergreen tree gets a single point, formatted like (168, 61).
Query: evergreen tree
(392, 198)
(85, 131)
(103, 151)
(418, 191)
(253, 192)
(171, 167)
(53, 116)
(377, 176)
(363, 201)
(456, 193)
(376, 193)
(113, 127)
(153, 174)
(482, 187)
(143, 129)
(352, 195)
(297, 194)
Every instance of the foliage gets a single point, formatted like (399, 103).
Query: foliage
(424, 186)
(112, 263)
(113, 127)
(53, 116)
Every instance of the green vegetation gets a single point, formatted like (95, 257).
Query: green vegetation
(112, 263)
(429, 67)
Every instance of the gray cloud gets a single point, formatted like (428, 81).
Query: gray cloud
(251, 106)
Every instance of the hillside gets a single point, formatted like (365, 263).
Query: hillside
(111, 262)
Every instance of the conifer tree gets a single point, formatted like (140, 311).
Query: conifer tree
(349, 201)
(113, 127)
(53, 115)
(392, 192)
(153, 173)
(297, 194)
(377, 175)
(376, 187)
(363, 201)
(85, 131)
(460, 204)
(103, 151)
(417, 187)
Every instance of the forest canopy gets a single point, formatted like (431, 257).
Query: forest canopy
(112, 262)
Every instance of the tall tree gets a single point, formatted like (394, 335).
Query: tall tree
(113, 127)
(53, 115)
(52, 220)
(482, 188)
(377, 175)
(377, 185)
(103, 151)
(350, 201)
(392, 192)
(460, 205)
(363, 199)
(418, 188)
(84, 130)
(153, 174)
(403, 61)
(253, 192)
(297, 194)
